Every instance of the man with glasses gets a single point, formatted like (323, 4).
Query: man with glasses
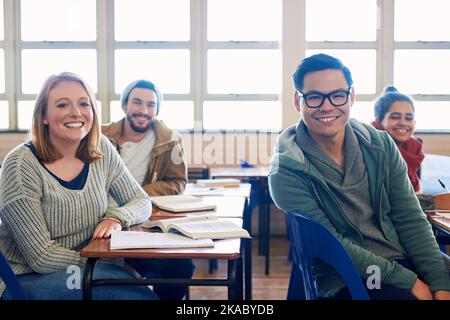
(352, 179)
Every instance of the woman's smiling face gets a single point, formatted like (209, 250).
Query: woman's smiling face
(399, 121)
(69, 114)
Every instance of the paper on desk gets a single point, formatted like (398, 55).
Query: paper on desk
(202, 191)
(153, 240)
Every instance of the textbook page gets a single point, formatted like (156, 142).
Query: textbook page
(149, 240)
(163, 223)
(212, 229)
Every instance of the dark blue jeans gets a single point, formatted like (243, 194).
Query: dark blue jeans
(59, 286)
(165, 269)
(386, 292)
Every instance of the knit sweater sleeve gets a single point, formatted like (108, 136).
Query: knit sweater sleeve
(21, 212)
(134, 206)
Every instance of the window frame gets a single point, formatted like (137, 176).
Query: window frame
(293, 46)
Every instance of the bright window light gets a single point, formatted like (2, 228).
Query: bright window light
(432, 115)
(4, 115)
(2, 36)
(343, 20)
(229, 20)
(244, 71)
(58, 20)
(152, 20)
(177, 114)
(2, 70)
(116, 112)
(422, 71)
(169, 70)
(39, 64)
(422, 20)
(362, 65)
(25, 114)
(242, 115)
(363, 111)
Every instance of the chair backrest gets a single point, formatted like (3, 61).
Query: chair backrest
(309, 240)
(9, 278)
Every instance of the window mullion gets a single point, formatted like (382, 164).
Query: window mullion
(198, 58)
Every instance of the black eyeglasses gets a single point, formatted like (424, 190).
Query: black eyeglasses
(316, 99)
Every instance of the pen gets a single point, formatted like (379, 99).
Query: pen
(443, 185)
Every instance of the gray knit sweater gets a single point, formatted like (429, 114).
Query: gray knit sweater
(45, 225)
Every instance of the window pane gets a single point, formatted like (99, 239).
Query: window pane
(234, 14)
(116, 112)
(1, 22)
(422, 20)
(169, 70)
(58, 20)
(240, 115)
(422, 71)
(2, 70)
(4, 115)
(362, 65)
(152, 20)
(37, 65)
(239, 71)
(432, 115)
(99, 111)
(175, 114)
(363, 111)
(344, 20)
(25, 114)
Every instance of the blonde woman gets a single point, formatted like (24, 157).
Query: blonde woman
(53, 196)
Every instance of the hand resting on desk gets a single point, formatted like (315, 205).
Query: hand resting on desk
(105, 228)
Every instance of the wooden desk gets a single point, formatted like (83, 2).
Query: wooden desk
(441, 229)
(440, 223)
(229, 196)
(258, 177)
(229, 249)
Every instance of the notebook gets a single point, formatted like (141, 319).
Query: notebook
(199, 227)
(149, 240)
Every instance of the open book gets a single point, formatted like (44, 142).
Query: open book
(181, 203)
(199, 227)
(218, 183)
(148, 240)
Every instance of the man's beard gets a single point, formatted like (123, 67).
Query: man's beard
(135, 127)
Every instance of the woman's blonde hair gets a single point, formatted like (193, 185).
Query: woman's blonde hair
(89, 149)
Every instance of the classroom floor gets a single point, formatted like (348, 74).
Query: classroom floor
(271, 287)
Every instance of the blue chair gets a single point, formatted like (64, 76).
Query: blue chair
(310, 239)
(9, 278)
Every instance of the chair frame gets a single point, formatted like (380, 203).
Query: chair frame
(10, 279)
(310, 239)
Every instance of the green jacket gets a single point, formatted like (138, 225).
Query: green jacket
(167, 170)
(296, 185)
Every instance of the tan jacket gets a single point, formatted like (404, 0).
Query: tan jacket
(167, 171)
